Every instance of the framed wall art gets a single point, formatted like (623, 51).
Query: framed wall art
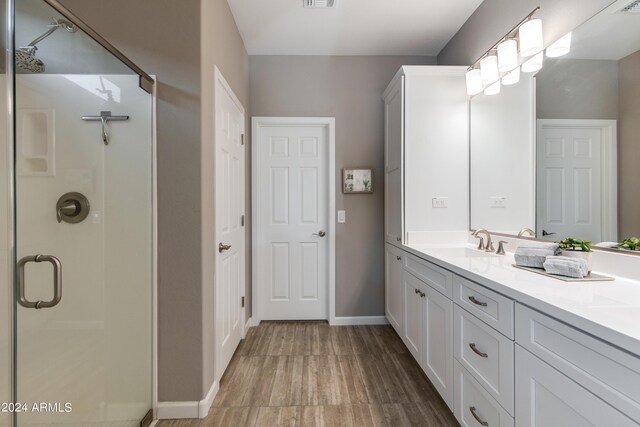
(357, 180)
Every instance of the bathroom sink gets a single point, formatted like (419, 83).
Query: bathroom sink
(463, 252)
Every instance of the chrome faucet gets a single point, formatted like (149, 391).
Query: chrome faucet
(489, 247)
(526, 231)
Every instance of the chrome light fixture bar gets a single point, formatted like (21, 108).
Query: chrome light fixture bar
(503, 57)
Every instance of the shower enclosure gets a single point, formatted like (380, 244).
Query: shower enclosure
(76, 225)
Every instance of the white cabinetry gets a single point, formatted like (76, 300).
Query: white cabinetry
(393, 146)
(428, 333)
(425, 133)
(547, 398)
(394, 305)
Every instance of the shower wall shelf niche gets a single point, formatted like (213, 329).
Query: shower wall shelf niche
(36, 137)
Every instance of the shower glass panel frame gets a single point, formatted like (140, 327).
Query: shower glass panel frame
(88, 359)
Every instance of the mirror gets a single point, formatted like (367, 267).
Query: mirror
(560, 151)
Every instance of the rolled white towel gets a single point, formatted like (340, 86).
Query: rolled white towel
(565, 266)
(607, 245)
(535, 255)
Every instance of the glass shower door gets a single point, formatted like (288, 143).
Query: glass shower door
(83, 200)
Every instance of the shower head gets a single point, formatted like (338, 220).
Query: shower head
(26, 60)
(25, 57)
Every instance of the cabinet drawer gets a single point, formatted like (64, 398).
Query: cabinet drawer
(486, 354)
(546, 398)
(494, 309)
(436, 277)
(473, 405)
(609, 373)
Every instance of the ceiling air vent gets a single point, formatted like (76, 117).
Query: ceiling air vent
(633, 7)
(321, 4)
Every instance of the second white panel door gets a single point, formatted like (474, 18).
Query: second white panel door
(293, 245)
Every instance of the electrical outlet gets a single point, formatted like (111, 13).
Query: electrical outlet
(342, 217)
(440, 202)
(498, 202)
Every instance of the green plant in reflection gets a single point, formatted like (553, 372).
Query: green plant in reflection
(571, 244)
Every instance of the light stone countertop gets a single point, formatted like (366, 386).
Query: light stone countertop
(609, 311)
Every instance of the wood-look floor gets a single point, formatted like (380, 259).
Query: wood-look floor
(312, 374)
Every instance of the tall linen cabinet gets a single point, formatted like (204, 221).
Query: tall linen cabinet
(426, 194)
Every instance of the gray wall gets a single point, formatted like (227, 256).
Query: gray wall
(222, 46)
(164, 38)
(629, 147)
(577, 89)
(494, 18)
(348, 88)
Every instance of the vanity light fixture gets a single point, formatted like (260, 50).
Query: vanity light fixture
(512, 77)
(489, 69)
(533, 64)
(500, 64)
(494, 89)
(560, 47)
(474, 82)
(530, 34)
(507, 55)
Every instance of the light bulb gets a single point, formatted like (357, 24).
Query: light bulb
(533, 64)
(494, 89)
(511, 77)
(507, 55)
(560, 47)
(474, 82)
(489, 69)
(531, 38)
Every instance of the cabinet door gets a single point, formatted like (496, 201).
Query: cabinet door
(394, 305)
(393, 126)
(393, 154)
(547, 398)
(393, 207)
(437, 349)
(413, 314)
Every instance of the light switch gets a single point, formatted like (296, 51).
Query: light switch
(342, 217)
(498, 202)
(440, 202)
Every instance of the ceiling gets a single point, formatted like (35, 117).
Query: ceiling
(354, 27)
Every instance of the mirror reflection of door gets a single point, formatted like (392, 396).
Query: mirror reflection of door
(574, 179)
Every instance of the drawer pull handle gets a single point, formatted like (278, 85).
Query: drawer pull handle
(478, 419)
(476, 351)
(476, 302)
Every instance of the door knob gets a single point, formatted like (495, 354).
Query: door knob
(546, 233)
(222, 247)
(320, 233)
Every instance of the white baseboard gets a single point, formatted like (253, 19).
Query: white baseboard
(248, 324)
(189, 409)
(359, 320)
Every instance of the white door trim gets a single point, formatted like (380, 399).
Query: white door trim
(257, 123)
(609, 165)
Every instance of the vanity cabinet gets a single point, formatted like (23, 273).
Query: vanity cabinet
(428, 333)
(425, 130)
(394, 305)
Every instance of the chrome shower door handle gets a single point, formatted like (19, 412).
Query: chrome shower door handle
(57, 282)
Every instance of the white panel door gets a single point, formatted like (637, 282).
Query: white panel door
(292, 191)
(569, 183)
(229, 229)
